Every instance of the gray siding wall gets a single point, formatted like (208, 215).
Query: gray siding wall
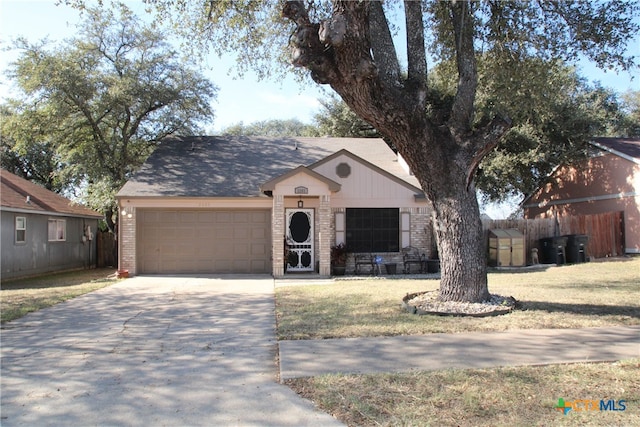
(38, 255)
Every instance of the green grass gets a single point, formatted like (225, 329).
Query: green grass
(583, 295)
(19, 297)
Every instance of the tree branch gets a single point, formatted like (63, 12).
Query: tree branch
(463, 105)
(488, 139)
(307, 49)
(384, 52)
(416, 55)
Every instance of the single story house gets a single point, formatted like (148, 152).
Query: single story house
(205, 204)
(608, 181)
(42, 231)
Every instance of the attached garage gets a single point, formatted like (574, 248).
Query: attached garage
(179, 241)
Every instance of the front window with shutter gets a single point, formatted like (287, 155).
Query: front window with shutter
(373, 229)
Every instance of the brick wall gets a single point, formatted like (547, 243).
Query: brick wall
(278, 234)
(127, 232)
(325, 235)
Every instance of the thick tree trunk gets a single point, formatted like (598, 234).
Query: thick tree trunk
(460, 242)
(441, 165)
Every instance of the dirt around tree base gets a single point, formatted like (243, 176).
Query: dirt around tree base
(428, 303)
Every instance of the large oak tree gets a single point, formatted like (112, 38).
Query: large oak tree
(348, 45)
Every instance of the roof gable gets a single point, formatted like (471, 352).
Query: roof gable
(17, 193)
(367, 164)
(271, 184)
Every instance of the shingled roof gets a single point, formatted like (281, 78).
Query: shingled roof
(628, 148)
(209, 166)
(21, 195)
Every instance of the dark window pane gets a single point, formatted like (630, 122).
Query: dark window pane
(373, 229)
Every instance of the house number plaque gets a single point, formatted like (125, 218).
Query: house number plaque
(301, 190)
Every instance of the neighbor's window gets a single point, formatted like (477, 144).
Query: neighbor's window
(21, 229)
(57, 230)
(373, 229)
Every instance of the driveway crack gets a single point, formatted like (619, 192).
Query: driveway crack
(124, 324)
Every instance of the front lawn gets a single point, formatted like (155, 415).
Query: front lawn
(514, 396)
(576, 296)
(584, 295)
(19, 297)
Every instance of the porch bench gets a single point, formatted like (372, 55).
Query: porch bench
(411, 255)
(365, 260)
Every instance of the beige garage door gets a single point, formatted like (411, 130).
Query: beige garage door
(203, 241)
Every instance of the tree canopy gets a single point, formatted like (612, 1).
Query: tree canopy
(100, 102)
(554, 112)
(271, 128)
(337, 119)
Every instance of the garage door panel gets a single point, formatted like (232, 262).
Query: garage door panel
(258, 249)
(203, 265)
(241, 266)
(240, 248)
(257, 233)
(204, 241)
(166, 218)
(259, 218)
(241, 233)
(188, 217)
(223, 233)
(161, 234)
(149, 264)
(188, 234)
(223, 217)
(258, 265)
(242, 218)
(208, 233)
(165, 248)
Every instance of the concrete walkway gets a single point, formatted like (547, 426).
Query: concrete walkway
(152, 351)
(466, 350)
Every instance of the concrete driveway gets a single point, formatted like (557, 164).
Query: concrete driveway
(152, 351)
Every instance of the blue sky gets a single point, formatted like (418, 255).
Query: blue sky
(245, 99)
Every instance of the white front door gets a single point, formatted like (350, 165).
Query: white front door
(300, 239)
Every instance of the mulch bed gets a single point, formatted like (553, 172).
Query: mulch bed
(428, 303)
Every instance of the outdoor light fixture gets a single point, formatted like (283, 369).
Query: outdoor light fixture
(127, 212)
(300, 204)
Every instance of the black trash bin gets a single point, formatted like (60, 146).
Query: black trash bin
(553, 250)
(577, 248)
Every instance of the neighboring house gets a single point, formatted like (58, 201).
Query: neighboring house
(42, 231)
(236, 204)
(608, 181)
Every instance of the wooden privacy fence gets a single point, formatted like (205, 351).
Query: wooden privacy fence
(107, 249)
(605, 231)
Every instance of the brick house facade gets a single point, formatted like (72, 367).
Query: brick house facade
(264, 205)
